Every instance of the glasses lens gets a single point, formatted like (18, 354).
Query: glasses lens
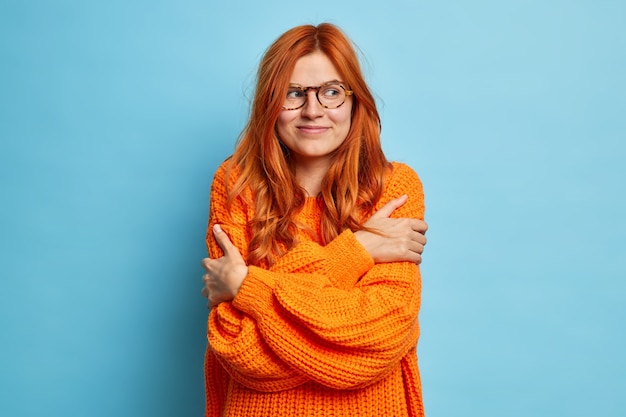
(295, 98)
(332, 95)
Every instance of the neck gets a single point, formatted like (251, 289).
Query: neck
(310, 175)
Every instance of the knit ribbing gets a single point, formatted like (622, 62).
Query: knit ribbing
(324, 331)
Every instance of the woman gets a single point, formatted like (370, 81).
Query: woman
(314, 239)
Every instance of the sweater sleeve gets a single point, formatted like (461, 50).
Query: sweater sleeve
(341, 338)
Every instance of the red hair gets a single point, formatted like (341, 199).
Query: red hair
(354, 181)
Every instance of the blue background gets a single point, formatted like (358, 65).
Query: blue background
(114, 116)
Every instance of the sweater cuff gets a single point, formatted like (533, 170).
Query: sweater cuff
(256, 292)
(347, 260)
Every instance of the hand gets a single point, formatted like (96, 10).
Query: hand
(398, 240)
(224, 275)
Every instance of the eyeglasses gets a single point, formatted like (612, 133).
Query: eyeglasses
(330, 95)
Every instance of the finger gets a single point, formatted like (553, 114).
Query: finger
(205, 263)
(414, 255)
(419, 226)
(391, 206)
(223, 240)
(417, 236)
(416, 247)
(212, 301)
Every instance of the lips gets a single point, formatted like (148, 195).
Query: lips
(312, 129)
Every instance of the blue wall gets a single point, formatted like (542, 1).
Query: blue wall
(114, 116)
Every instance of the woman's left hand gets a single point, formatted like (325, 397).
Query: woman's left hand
(224, 275)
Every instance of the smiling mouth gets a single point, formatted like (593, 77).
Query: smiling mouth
(312, 129)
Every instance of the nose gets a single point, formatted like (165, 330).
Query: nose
(312, 109)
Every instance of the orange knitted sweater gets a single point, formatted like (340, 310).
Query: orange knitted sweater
(324, 331)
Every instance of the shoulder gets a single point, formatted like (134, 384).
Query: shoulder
(402, 170)
(218, 186)
(225, 176)
(401, 180)
(227, 190)
(227, 169)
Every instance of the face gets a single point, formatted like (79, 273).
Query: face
(312, 133)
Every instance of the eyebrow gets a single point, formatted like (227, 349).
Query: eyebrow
(324, 83)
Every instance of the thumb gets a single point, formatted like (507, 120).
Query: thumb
(391, 206)
(222, 239)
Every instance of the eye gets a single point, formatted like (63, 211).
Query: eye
(294, 93)
(332, 91)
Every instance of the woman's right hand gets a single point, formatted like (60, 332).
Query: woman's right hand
(399, 239)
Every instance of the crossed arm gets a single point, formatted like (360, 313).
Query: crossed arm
(401, 239)
(319, 310)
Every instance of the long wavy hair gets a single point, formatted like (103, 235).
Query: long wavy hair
(354, 181)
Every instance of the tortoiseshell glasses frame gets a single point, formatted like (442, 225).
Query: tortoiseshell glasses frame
(333, 95)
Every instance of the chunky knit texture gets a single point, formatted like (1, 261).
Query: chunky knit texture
(322, 332)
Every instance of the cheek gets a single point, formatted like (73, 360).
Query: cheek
(282, 124)
(344, 120)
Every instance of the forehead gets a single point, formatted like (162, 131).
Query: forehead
(314, 69)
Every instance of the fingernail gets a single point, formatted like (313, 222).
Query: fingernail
(217, 228)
